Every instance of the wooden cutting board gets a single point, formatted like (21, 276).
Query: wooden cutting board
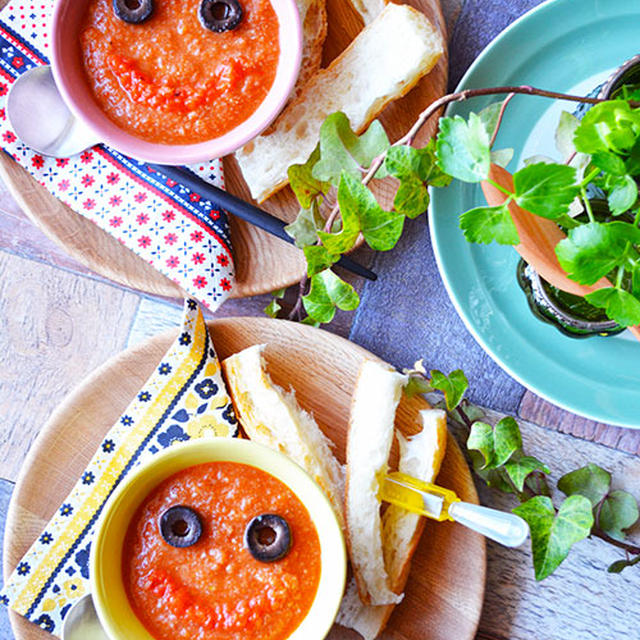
(445, 590)
(263, 263)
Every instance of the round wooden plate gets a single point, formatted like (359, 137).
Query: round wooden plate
(263, 263)
(446, 587)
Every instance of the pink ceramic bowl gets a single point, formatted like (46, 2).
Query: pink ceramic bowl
(70, 79)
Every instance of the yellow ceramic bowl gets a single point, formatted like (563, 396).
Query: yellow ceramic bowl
(107, 587)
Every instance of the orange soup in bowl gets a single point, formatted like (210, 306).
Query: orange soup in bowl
(169, 78)
(221, 551)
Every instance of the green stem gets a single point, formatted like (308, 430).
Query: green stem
(501, 188)
(619, 277)
(587, 204)
(589, 178)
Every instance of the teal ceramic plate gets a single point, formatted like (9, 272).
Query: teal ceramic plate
(569, 46)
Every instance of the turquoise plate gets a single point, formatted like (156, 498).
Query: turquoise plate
(569, 46)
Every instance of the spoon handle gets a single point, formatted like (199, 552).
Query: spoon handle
(246, 211)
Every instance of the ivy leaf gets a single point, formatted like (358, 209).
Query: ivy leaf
(381, 229)
(619, 305)
(608, 126)
(341, 150)
(481, 439)
(618, 512)
(318, 259)
(462, 148)
(405, 162)
(497, 444)
(453, 386)
(546, 190)
(592, 482)
(486, 224)
(417, 385)
(590, 251)
(272, 309)
(620, 565)
(412, 198)
(567, 125)
(304, 230)
(327, 293)
(520, 468)
(622, 195)
(553, 535)
(304, 185)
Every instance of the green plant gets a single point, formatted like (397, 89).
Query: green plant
(601, 151)
(590, 507)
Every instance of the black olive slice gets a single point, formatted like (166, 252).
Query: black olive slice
(268, 537)
(133, 11)
(220, 15)
(180, 526)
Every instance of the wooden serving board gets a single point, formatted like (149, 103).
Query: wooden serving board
(446, 586)
(263, 263)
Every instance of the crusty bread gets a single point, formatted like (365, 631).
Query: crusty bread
(421, 457)
(384, 62)
(271, 416)
(373, 408)
(368, 9)
(313, 15)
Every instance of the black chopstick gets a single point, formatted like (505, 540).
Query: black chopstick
(246, 211)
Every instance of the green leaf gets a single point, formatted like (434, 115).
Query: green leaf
(417, 385)
(279, 293)
(619, 511)
(463, 148)
(489, 117)
(619, 305)
(520, 468)
(592, 482)
(453, 386)
(590, 251)
(608, 126)
(304, 230)
(545, 189)
(497, 444)
(272, 309)
(304, 185)
(620, 565)
(318, 259)
(486, 224)
(404, 162)
(622, 195)
(609, 163)
(360, 210)
(412, 198)
(341, 150)
(553, 535)
(565, 132)
(481, 439)
(327, 293)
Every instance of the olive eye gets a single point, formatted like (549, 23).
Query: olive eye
(268, 537)
(180, 526)
(220, 15)
(133, 11)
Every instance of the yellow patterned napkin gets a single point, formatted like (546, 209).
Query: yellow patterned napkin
(184, 398)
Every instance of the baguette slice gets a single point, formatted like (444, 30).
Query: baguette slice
(313, 16)
(421, 457)
(271, 416)
(368, 9)
(373, 408)
(384, 62)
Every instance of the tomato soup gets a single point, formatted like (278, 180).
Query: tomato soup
(169, 79)
(215, 589)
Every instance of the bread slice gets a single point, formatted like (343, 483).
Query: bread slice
(368, 9)
(421, 457)
(384, 62)
(373, 408)
(313, 15)
(271, 416)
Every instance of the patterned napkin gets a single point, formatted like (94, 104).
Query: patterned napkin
(172, 228)
(184, 398)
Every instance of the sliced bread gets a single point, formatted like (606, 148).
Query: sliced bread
(420, 457)
(271, 416)
(368, 9)
(313, 15)
(383, 62)
(373, 409)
